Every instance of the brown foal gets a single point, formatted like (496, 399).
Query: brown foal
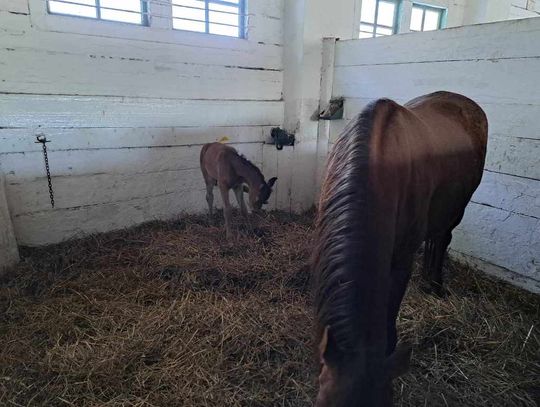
(221, 165)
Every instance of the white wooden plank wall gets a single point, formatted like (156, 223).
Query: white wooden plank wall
(127, 109)
(497, 65)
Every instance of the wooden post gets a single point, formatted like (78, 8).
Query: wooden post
(9, 253)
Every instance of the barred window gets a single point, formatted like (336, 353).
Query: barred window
(378, 18)
(222, 17)
(427, 18)
(126, 11)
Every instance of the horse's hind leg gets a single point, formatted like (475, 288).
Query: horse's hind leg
(434, 252)
(210, 196)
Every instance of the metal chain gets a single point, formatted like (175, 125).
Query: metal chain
(43, 140)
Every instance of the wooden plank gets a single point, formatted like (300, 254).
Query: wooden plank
(499, 272)
(24, 140)
(495, 41)
(9, 253)
(475, 79)
(251, 55)
(83, 190)
(509, 193)
(14, 6)
(270, 169)
(24, 166)
(132, 77)
(503, 238)
(74, 111)
(12, 27)
(283, 190)
(58, 225)
(514, 155)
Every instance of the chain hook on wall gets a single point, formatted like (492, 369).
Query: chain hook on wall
(41, 139)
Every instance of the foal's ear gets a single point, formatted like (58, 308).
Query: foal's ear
(399, 362)
(245, 188)
(272, 181)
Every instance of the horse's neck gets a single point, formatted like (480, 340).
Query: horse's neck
(250, 175)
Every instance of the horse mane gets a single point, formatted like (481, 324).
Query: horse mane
(342, 232)
(248, 163)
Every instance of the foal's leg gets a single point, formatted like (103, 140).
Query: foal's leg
(434, 253)
(400, 275)
(210, 197)
(227, 210)
(239, 192)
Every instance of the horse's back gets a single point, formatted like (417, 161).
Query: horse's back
(428, 155)
(217, 160)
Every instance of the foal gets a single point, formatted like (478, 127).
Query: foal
(221, 165)
(398, 175)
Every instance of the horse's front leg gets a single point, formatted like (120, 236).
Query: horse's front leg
(239, 192)
(227, 210)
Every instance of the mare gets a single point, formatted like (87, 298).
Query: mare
(221, 165)
(397, 176)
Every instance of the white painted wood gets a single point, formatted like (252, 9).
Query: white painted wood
(477, 42)
(14, 6)
(327, 82)
(9, 253)
(55, 226)
(476, 79)
(31, 111)
(503, 238)
(501, 273)
(270, 169)
(127, 109)
(22, 167)
(515, 156)
(497, 66)
(136, 78)
(23, 140)
(513, 194)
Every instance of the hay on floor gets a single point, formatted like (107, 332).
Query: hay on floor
(169, 314)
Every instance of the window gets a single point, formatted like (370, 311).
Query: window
(427, 18)
(126, 11)
(378, 17)
(222, 17)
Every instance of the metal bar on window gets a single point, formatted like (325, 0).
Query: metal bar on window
(201, 8)
(97, 7)
(202, 21)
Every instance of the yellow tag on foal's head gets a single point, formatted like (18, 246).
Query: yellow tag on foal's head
(224, 139)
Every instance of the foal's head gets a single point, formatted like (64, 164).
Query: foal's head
(259, 196)
(357, 378)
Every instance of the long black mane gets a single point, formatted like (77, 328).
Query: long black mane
(341, 230)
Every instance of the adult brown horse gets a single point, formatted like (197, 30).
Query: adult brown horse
(221, 165)
(397, 176)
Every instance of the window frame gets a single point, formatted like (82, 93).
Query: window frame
(242, 17)
(145, 21)
(395, 26)
(442, 11)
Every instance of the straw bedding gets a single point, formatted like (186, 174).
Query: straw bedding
(168, 314)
